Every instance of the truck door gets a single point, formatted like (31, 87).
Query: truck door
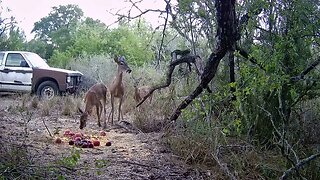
(16, 73)
(1, 67)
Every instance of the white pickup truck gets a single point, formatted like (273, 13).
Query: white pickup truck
(22, 71)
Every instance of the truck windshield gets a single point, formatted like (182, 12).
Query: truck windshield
(36, 60)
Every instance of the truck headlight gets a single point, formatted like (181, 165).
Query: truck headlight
(68, 79)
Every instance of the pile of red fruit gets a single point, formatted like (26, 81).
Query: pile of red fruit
(80, 140)
(83, 143)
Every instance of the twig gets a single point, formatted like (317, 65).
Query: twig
(46, 127)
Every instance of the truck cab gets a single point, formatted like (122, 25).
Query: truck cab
(22, 71)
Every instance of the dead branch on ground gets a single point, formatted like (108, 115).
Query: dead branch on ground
(45, 125)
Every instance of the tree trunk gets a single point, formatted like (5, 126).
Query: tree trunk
(226, 39)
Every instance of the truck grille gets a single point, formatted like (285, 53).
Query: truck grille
(75, 81)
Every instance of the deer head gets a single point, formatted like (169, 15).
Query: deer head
(83, 118)
(122, 64)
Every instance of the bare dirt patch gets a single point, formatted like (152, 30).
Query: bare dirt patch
(132, 155)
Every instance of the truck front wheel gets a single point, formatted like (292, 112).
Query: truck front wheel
(47, 90)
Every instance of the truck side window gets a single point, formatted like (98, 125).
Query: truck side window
(16, 60)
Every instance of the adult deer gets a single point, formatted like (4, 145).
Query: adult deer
(93, 98)
(116, 88)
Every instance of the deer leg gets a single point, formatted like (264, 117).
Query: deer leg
(112, 109)
(104, 112)
(120, 113)
(98, 107)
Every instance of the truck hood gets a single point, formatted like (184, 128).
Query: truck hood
(69, 72)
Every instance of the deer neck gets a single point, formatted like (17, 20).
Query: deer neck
(118, 80)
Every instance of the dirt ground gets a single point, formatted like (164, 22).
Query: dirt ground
(132, 155)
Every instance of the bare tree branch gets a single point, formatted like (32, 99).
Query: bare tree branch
(208, 74)
(168, 9)
(189, 59)
(299, 165)
(134, 5)
(142, 13)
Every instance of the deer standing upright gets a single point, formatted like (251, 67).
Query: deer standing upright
(93, 98)
(117, 88)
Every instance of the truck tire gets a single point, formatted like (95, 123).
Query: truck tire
(47, 90)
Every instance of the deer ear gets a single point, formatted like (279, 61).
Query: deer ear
(116, 59)
(80, 110)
